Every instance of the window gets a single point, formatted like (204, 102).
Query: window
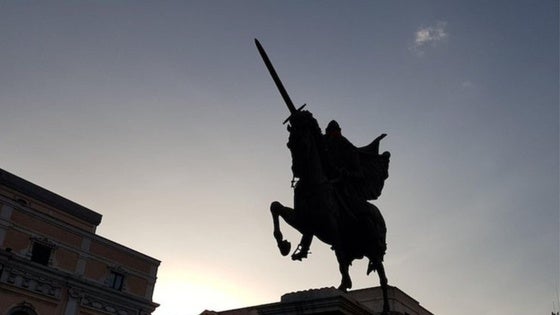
(116, 280)
(41, 253)
(22, 201)
(23, 309)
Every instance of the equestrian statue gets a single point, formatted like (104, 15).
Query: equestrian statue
(333, 181)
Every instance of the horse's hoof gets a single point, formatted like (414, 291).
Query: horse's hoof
(345, 285)
(342, 288)
(284, 247)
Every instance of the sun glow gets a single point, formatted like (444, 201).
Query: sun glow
(182, 292)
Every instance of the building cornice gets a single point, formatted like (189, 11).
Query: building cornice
(41, 194)
(23, 274)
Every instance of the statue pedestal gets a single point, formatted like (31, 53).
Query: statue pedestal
(330, 301)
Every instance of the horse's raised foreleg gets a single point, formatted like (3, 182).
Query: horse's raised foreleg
(343, 266)
(277, 210)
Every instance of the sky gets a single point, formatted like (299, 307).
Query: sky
(161, 116)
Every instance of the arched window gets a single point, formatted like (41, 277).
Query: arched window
(22, 309)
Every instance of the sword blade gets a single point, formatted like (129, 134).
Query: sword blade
(275, 77)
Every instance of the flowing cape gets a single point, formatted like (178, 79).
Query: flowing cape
(375, 169)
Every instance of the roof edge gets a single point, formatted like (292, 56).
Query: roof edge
(37, 192)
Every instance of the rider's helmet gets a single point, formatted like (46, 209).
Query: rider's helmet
(333, 128)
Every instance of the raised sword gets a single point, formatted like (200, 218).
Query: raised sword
(277, 81)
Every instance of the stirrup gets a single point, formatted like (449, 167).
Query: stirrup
(300, 254)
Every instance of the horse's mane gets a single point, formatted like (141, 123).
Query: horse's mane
(306, 120)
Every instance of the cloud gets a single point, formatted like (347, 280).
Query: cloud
(430, 35)
(467, 84)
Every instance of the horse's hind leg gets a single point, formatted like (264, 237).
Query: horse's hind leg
(277, 210)
(384, 286)
(343, 266)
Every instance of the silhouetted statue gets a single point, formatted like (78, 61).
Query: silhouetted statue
(357, 175)
(335, 182)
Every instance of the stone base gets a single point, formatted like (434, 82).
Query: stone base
(330, 301)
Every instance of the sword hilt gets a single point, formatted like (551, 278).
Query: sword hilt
(297, 110)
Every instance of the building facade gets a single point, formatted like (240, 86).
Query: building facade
(53, 263)
(330, 301)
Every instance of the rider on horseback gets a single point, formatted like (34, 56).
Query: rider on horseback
(361, 171)
(357, 174)
(337, 213)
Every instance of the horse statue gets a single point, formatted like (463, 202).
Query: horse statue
(354, 228)
(335, 182)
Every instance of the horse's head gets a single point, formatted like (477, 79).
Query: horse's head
(305, 144)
